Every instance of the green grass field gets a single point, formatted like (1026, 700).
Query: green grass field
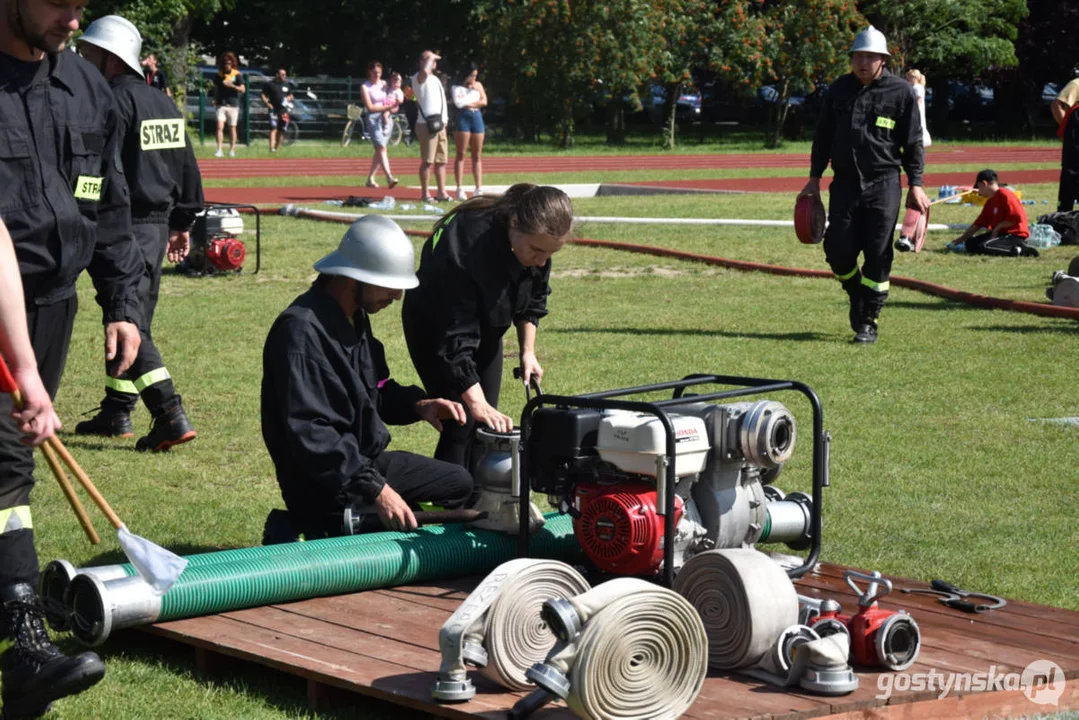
(941, 463)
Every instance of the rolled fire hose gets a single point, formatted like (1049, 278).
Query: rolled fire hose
(627, 649)
(58, 574)
(749, 608)
(498, 627)
(316, 568)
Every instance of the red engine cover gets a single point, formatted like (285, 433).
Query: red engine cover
(226, 254)
(619, 528)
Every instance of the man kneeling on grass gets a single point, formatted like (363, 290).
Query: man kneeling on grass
(1003, 222)
(327, 394)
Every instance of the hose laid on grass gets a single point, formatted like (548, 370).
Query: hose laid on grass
(984, 301)
(314, 569)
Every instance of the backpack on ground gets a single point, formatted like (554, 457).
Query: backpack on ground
(1065, 223)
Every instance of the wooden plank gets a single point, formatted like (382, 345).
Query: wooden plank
(1054, 648)
(973, 706)
(1060, 616)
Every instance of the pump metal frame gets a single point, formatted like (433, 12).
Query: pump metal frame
(665, 491)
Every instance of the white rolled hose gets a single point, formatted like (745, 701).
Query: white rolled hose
(641, 652)
(498, 627)
(749, 608)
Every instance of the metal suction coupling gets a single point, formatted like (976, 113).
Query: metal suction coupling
(898, 641)
(549, 678)
(788, 640)
(453, 690)
(562, 618)
(839, 680)
(474, 654)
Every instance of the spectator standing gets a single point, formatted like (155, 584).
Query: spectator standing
(869, 129)
(277, 97)
(470, 98)
(431, 124)
(155, 76)
(377, 100)
(228, 88)
(917, 81)
(1064, 112)
(66, 213)
(166, 194)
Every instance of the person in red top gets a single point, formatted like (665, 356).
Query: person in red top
(1003, 217)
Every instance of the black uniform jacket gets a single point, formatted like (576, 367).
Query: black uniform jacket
(326, 396)
(869, 132)
(63, 194)
(161, 169)
(472, 289)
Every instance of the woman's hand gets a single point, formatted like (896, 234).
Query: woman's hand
(530, 368)
(485, 414)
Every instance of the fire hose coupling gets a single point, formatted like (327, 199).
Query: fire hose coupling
(790, 521)
(641, 651)
(878, 638)
(100, 607)
(498, 628)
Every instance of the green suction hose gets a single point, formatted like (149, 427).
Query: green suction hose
(310, 569)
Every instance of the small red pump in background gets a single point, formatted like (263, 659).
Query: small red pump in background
(878, 638)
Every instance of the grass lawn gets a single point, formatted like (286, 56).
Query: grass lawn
(941, 465)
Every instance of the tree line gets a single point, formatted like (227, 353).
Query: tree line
(554, 62)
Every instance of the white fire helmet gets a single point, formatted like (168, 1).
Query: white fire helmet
(376, 251)
(118, 36)
(870, 40)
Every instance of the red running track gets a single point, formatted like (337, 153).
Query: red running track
(987, 156)
(404, 194)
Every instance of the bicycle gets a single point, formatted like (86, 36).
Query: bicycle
(357, 116)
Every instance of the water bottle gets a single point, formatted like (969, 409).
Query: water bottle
(406, 206)
(1043, 236)
(954, 246)
(427, 207)
(386, 203)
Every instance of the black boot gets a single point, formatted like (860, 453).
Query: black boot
(280, 528)
(108, 424)
(33, 672)
(853, 288)
(171, 427)
(872, 303)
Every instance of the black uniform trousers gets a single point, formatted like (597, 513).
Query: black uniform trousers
(456, 441)
(862, 221)
(153, 241)
(1069, 166)
(50, 334)
(417, 479)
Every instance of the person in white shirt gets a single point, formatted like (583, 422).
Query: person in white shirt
(431, 125)
(917, 81)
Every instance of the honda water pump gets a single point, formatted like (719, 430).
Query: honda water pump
(651, 484)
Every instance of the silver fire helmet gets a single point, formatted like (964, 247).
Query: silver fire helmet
(376, 251)
(871, 40)
(118, 36)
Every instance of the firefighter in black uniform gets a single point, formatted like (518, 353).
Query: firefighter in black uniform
(64, 199)
(486, 267)
(327, 395)
(166, 194)
(869, 128)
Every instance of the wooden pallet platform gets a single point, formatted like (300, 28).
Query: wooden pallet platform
(384, 644)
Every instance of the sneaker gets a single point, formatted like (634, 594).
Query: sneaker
(232, 153)
(33, 672)
(477, 192)
(219, 154)
(280, 528)
(171, 427)
(866, 334)
(107, 423)
(461, 194)
(903, 244)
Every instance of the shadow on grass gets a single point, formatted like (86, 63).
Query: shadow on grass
(282, 690)
(796, 336)
(1072, 329)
